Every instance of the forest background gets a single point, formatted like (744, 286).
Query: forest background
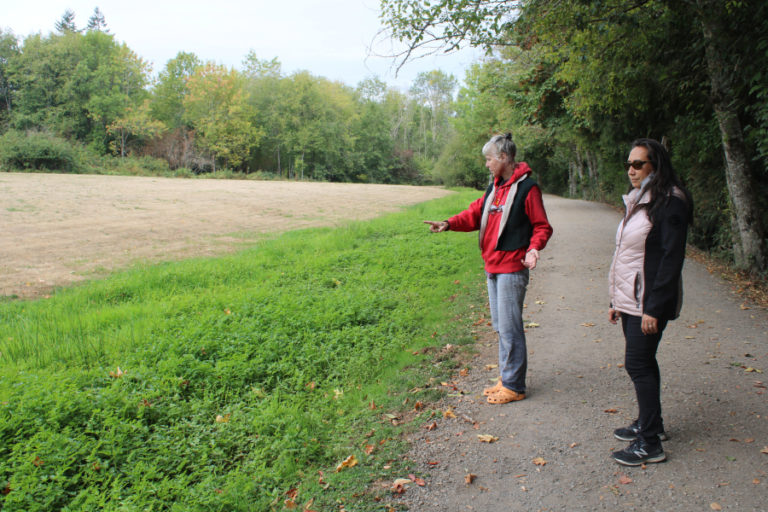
(575, 82)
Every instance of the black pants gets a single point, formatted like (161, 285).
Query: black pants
(640, 363)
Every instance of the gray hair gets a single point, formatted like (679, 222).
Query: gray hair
(500, 145)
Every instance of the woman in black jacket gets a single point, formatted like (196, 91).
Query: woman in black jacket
(646, 286)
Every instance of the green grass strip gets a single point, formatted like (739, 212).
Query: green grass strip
(239, 378)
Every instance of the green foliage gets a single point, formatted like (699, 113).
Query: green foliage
(86, 87)
(9, 50)
(75, 85)
(577, 82)
(239, 378)
(217, 107)
(37, 151)
(171, 88)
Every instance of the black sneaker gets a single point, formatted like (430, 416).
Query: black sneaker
(630, 433)
(640, 452)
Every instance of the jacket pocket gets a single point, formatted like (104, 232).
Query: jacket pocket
(638, 289)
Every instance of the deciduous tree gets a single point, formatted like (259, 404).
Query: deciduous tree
(217, 108)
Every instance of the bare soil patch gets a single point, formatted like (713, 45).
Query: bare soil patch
(57, 229)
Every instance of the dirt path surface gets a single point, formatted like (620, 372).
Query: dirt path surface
(715, 405)
(56, 229)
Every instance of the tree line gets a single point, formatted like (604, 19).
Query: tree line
(576, 81)
(82, 87)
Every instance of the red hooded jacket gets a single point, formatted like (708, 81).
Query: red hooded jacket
(503, 262)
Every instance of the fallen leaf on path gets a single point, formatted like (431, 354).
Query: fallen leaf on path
(491, 366)
(574, 445)
(487, 438)
(464, 372)
(540, 302)
(431, 426)
(588, 324)
(448, 414)
(450, 385)
(715, 506)
(399, 486)
(433, 463)
(349, 462)
(611, 411)
(752, 370)
(764, 450)
(418, 481)
(532, 325)
(469, 478)
(625, 480)
(539, 461)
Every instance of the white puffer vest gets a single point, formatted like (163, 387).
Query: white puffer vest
(626, 280)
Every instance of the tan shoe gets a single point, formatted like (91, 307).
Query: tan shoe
(505, 395)
(496, 387)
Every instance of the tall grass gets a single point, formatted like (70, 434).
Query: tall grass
(220, 384)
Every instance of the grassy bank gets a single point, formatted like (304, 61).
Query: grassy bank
(224, 384)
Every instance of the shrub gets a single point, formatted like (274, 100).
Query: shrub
(37, 151)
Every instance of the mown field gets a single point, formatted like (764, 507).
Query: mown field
(240, 382)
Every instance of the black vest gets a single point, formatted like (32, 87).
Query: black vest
(518, 230)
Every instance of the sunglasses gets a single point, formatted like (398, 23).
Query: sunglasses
(636, 164)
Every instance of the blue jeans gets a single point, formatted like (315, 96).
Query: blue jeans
(506, 293)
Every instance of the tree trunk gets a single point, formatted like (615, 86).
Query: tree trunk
(749, 241)
(595, 191)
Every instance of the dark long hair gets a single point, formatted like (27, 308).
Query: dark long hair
(664, 179)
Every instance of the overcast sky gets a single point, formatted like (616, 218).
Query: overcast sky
(328, 38)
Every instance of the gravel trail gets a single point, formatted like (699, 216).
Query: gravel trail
(553, 448)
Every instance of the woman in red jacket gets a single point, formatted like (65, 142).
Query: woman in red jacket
(513, 229)
(645, 286)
